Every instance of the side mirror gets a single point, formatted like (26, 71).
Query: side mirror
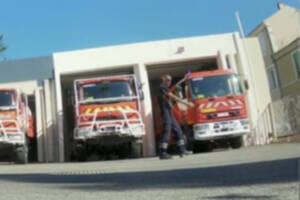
(246, 84)
(140, 91)
(141, 94)
(178, 91)
(140, 85)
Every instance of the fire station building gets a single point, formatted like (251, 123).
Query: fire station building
(50, 82)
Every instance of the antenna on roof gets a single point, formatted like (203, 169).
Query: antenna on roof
(237, 15)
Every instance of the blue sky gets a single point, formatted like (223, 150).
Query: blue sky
(34, 28)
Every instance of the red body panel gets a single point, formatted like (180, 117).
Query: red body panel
(107, 110)
(209, 73)
(30, 130)
(92, 108)
(217, 109)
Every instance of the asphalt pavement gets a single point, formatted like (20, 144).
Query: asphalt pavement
(264, 173)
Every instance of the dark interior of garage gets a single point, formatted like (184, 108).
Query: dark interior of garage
(33, 142)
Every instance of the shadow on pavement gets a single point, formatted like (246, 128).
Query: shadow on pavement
(279, 171)
(241, 197)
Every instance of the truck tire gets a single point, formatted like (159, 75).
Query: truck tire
(21, 155)
(136, 149)
(81, 152)
(202, 147)
(189, 145)
(236, 142)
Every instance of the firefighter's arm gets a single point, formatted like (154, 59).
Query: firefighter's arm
(177, 99)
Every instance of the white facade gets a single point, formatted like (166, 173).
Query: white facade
(227, 49)
(26, 86)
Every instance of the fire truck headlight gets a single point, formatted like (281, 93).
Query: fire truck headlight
(82, 132)
(201, 127)
(137, 129)
(17, 137)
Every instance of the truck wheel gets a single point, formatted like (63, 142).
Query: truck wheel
(81, 153)
(202, 146)
(188, 143)
(236, 143)
(136, 148)
(21, 155)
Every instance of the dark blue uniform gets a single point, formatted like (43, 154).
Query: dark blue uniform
(169, 122)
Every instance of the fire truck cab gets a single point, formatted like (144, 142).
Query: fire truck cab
(219, 112)
(107, 114)
(16, 125)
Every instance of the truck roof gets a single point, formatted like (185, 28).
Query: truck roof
(100, 79)
(10, 89)
(209, 73)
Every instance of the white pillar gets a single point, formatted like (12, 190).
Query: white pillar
(149, 141)
(39, 125)
(244, 67)
(221, 60)
(49, 121)
(232, 62)
(59, 117)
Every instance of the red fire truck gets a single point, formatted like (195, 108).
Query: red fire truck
(16, 125)
(107, 114)
(219, 113)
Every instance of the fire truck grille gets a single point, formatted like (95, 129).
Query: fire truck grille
(109, 118)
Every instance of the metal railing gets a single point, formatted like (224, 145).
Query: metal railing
(124, 122)
(12, 127)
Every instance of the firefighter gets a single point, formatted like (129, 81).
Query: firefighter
(169, 122)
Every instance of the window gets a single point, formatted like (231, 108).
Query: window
(215, 86)
(272, 76)
(6, 98)
(296, 60)
(106, 89)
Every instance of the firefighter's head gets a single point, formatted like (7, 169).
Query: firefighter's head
(166, 80)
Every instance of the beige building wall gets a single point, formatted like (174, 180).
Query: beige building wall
(274, 33)
(287, 69)
(265, 44)
(285, 26)
(292, 89)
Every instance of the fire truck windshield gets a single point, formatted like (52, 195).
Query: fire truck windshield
(215, 86)
(6, 98)
(106, 90)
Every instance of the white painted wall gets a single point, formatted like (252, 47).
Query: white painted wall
(259, 91)
(26, 86)
(284, 26)
(147, 52)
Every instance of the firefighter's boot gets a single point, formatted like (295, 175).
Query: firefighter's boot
(183, 151)
(163, 155)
